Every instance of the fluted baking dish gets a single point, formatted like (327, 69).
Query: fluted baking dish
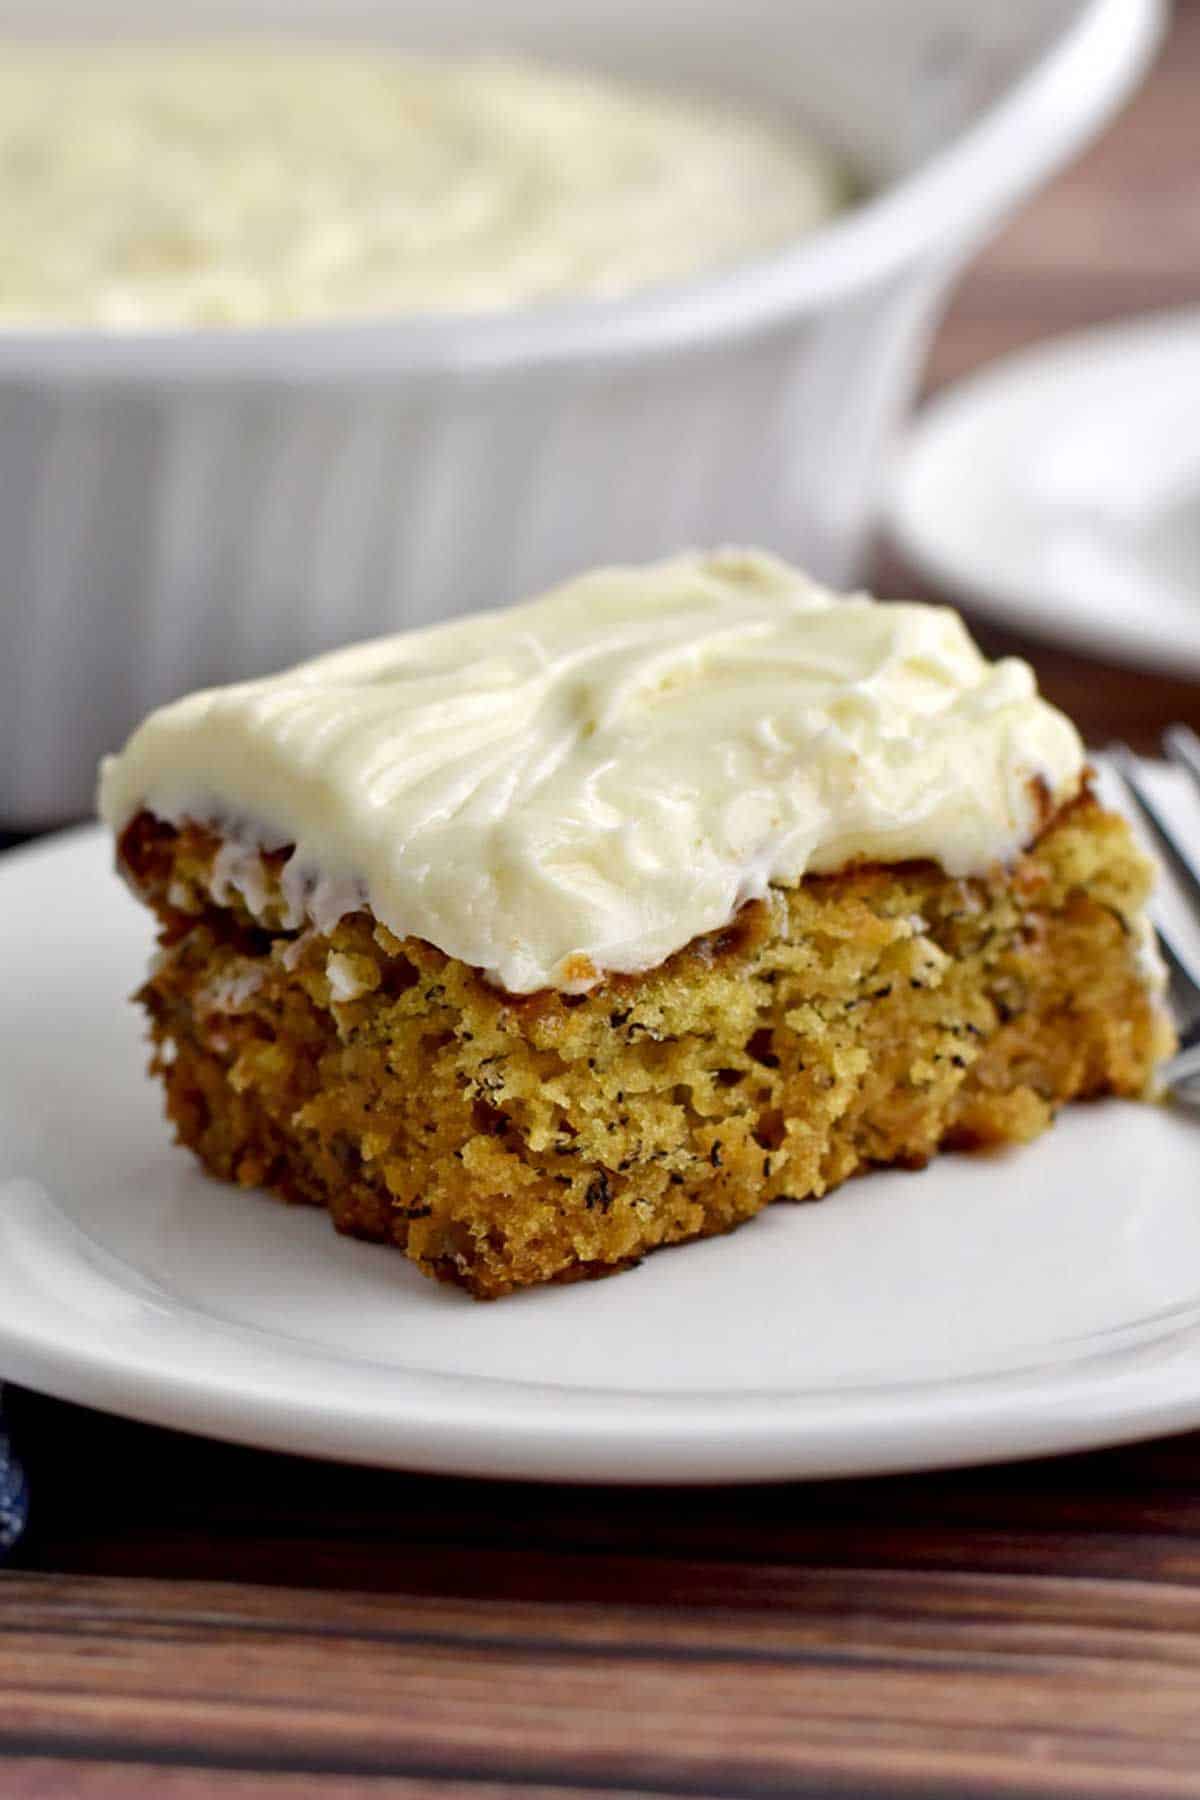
(183, 507)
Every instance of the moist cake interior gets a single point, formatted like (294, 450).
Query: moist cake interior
(865, 1018)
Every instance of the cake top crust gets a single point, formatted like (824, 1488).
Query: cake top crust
(585, 782)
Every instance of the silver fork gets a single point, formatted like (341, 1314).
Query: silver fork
(1181, 1074)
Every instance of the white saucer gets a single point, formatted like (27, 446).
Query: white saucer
(1059, 491)
(1048, 1299)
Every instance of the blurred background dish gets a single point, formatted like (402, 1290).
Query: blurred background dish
(150, 186)
(1059, 492)
(185, 506)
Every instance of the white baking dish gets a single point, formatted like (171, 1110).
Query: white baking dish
(184, 507)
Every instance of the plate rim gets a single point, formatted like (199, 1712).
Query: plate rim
(680, 1439)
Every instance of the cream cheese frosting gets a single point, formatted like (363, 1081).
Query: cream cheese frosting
(145, 187)
(585, 782)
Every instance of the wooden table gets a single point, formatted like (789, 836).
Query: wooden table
(186, 1618)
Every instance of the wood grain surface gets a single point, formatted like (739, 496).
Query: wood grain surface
(1033, 1629)
(187, 1619)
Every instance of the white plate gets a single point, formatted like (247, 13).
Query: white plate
(1043, 1300)
(1059, 491)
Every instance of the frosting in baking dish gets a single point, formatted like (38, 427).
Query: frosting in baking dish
(586, 782)
(233, 184)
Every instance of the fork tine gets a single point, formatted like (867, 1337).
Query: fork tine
(1183, 747)
(1180, 858)
(1182, 1069)
(1124, 767)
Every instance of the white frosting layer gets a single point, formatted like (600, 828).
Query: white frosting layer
(588, 781)
(208, 185)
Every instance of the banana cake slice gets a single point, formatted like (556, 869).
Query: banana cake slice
(536, 940)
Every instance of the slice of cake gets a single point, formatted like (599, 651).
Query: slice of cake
(536, 940)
